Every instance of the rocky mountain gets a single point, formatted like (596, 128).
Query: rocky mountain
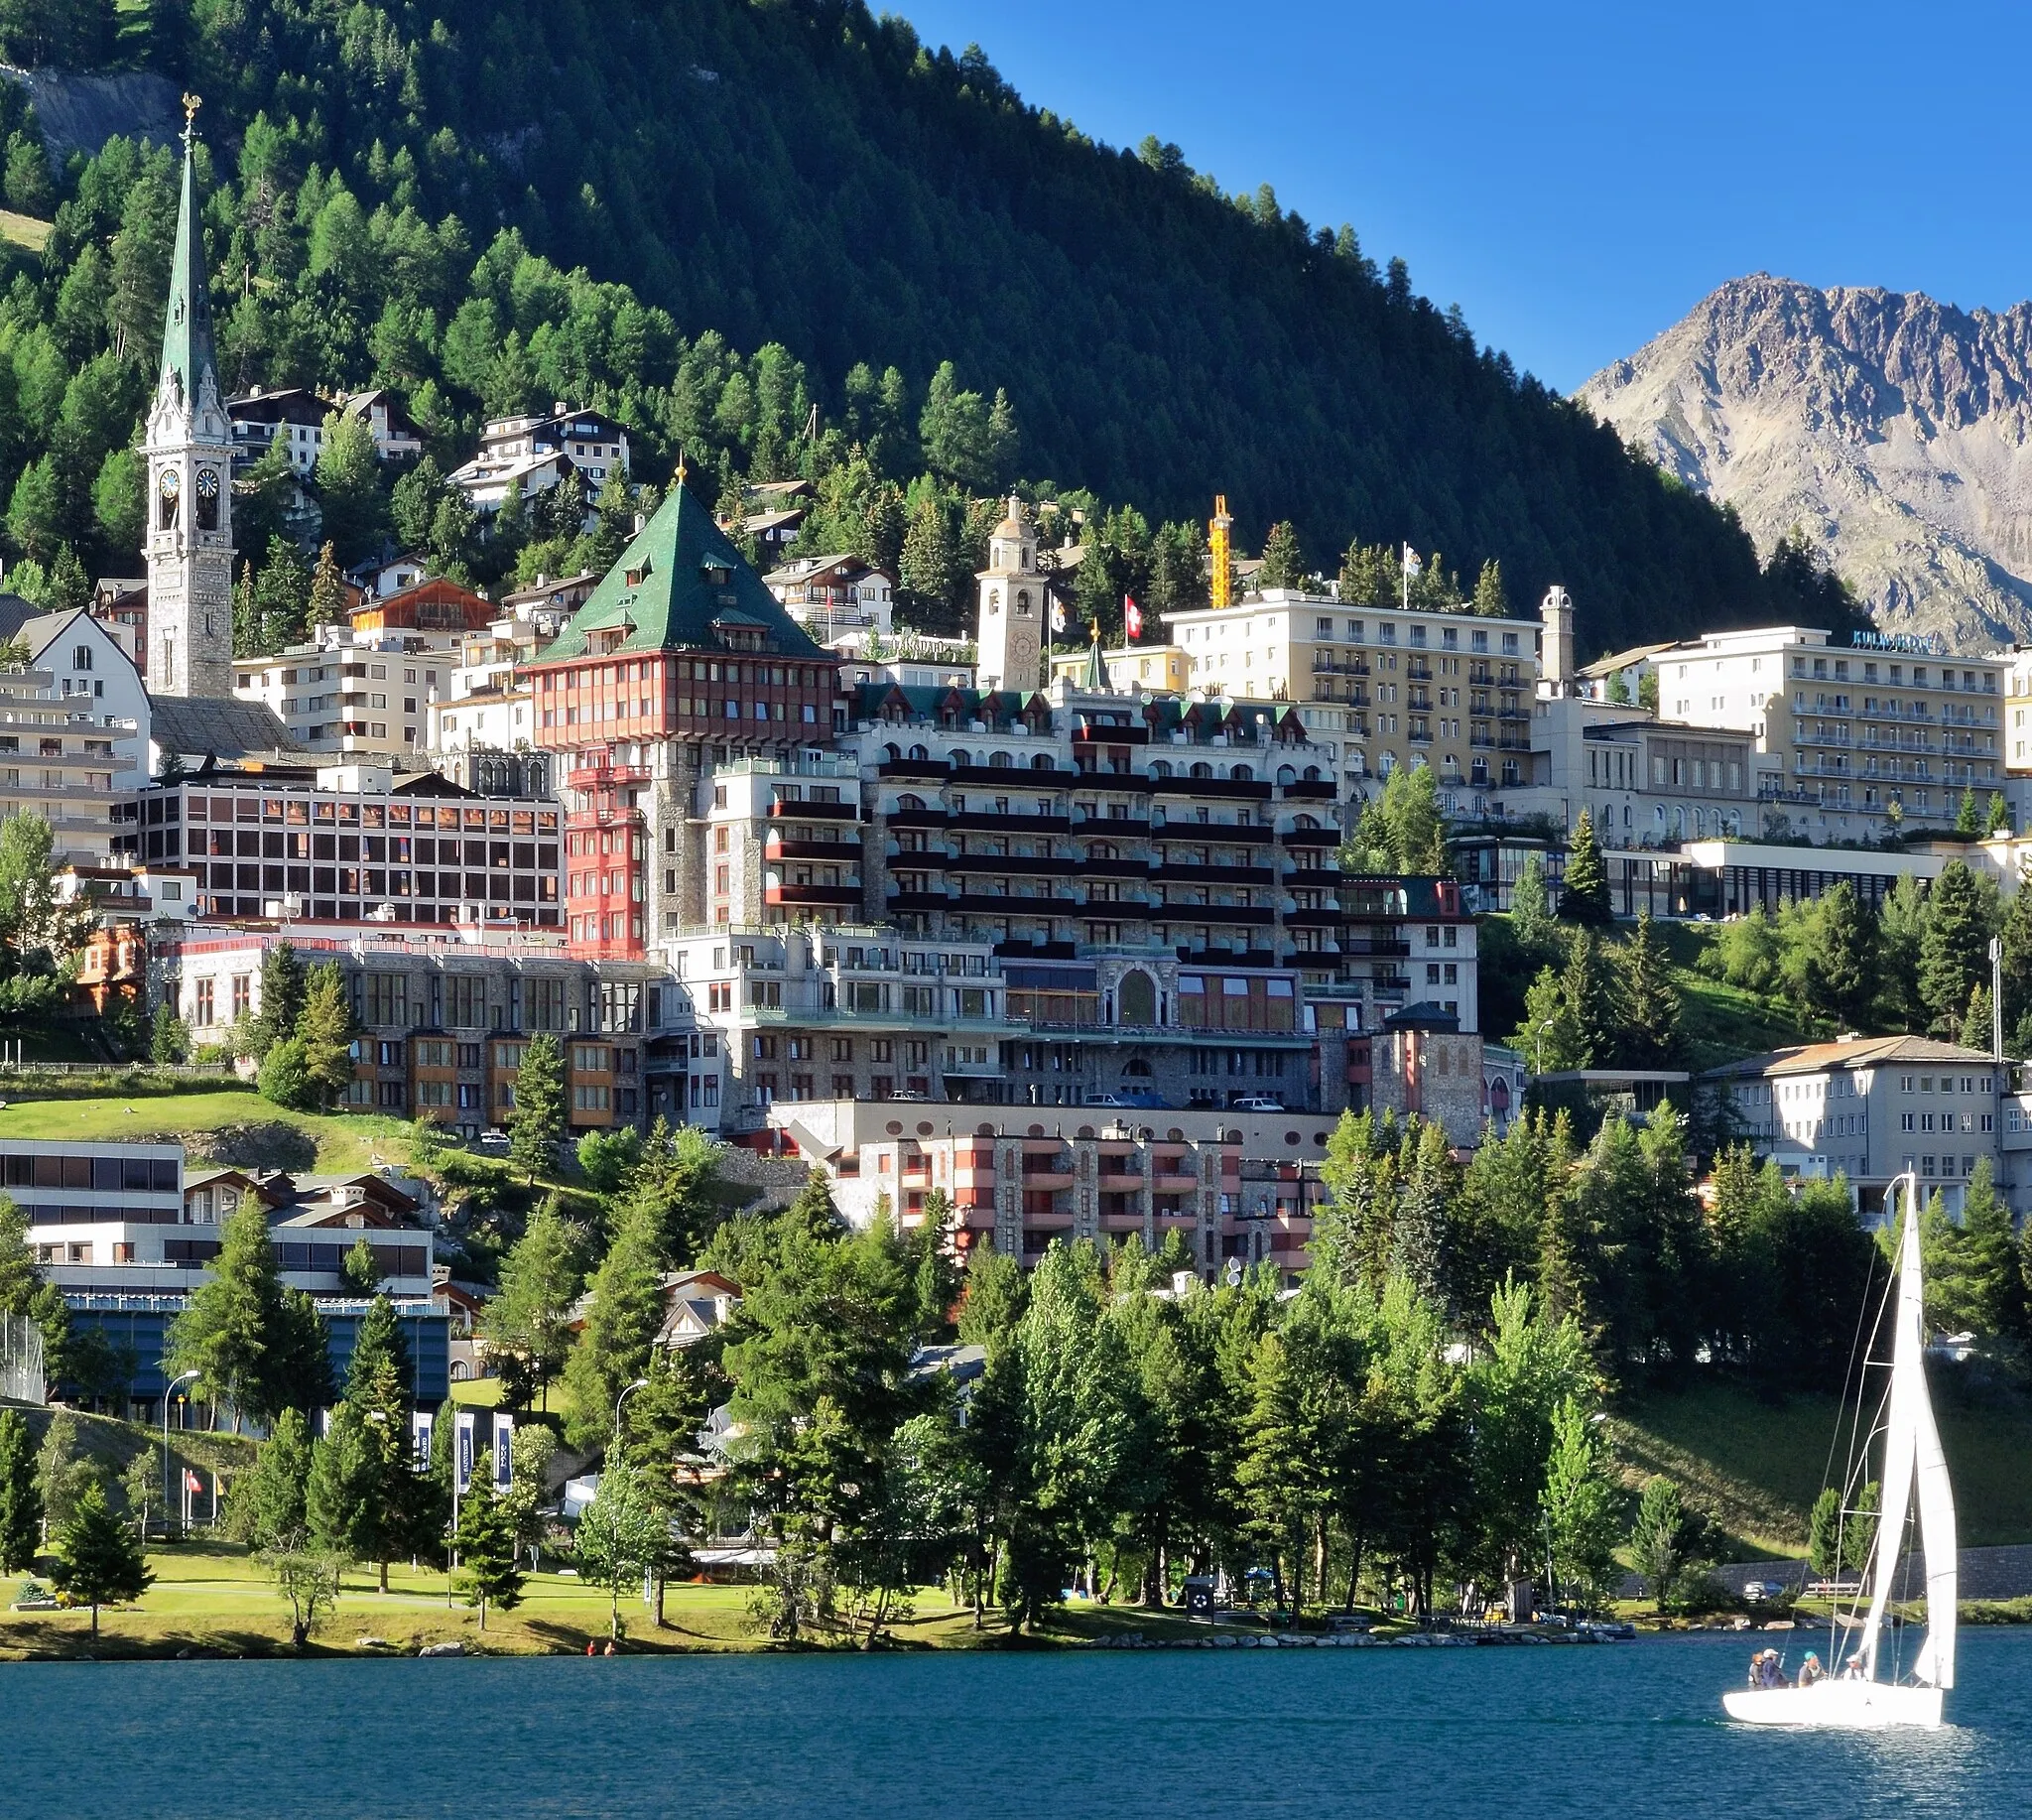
(1894, 430)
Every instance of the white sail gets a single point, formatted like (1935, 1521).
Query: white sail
(1861, 1699)
(1912, 1447)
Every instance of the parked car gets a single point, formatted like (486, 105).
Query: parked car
(1257, 1103)
(907, 1094)
(1114, 1100)
(1762, 1592)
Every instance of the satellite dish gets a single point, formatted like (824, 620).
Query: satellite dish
(1234, 1274)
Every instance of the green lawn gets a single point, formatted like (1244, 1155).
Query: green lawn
(214, 1595)
(346, 1142)
(1755, 1468)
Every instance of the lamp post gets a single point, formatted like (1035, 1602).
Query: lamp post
(614, 1567)
(170, 1390)
(1542, 1029)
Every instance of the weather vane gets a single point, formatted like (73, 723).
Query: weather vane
(191, 103)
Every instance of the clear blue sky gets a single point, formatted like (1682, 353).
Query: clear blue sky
(1576, 174)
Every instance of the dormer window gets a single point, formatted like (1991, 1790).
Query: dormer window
(717, 575)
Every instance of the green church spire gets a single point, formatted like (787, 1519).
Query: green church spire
(1096, 680)
(186, 326)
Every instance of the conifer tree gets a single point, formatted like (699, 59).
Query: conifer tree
(1490, 600)
(487, 1571)
(1579, 1505)
(1835, 966)
(226, 1330)
(327, 1028)
(328, 590)
(1583, 894)
(1593, 989)
(1283, 562)
(100, 1559)
(1977, 1028)
(1650, 1007)
(21, 1498)
(1953, 947)
(627, 1309)
(1999, 820)
(538, 1121)
(1968, 817)
(1994, 1297)
(528, 1316)
(269, 1508)
(169, 1037)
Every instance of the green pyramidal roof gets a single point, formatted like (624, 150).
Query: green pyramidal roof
(678, 582)
(186, 326)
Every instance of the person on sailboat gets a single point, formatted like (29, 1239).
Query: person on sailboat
(1811, 1670)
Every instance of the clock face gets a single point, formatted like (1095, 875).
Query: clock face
(172, 485)
(207, 483)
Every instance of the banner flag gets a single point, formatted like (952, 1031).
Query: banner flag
(1412, 566)
(504, 1465)
(462, 1470)
(1133, 616)
(1058, 616)
(422, 1428)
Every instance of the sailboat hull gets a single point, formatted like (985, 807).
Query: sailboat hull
(1836, 1705)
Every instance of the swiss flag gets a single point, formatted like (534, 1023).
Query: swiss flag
(191, 1482)
(1133, 616)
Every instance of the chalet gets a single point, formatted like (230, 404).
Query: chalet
(396, 436)
(435, 605)
(291, 417)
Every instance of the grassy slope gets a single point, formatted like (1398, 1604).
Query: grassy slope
(1755, 1468)
(1721, 1023)
(346, 1142)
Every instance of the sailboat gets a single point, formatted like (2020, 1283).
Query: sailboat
(1866, 1692)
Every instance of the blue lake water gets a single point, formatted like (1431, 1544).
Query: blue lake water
(1627, 1731)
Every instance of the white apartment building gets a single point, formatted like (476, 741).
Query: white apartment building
(59, 759)
(1869, 1109)
(349, 692)
(1446, 690)
(92, 672)
(498, 718)
(1891, 729)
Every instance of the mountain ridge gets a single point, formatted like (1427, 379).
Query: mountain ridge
(1895, 429)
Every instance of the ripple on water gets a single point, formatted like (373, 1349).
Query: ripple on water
(1624, 1733)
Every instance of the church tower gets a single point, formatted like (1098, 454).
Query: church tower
(1012, 607)
(189, 451)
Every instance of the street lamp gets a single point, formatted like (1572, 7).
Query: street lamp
(641, 1384)
(170, 1390)
(1542, 1029)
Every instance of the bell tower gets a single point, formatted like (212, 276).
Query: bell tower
(188, 542)
(1010, 641)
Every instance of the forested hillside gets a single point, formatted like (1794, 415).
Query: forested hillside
(517, 201)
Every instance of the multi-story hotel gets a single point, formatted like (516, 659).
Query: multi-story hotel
(62, 762)
(1446, 690)
(1848, 738)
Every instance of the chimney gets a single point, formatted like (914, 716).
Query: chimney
(1556, 665)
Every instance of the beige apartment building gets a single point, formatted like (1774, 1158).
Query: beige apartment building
(1446, 688)
(1849, 736)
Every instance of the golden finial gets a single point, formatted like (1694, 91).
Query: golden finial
(191, 103)
(684, 472)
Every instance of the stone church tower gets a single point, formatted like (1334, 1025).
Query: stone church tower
(189, 451)
(1012, 607)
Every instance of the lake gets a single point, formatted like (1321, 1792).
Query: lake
(1629, 1730)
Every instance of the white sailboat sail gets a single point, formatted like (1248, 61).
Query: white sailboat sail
(1864, 1697)
(1912, 1450)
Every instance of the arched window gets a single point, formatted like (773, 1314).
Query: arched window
(1160, 767)
(1305, 820)
(961, 757)
(1023, 604)
(998, 761)
(1312, 774)
(1136, 1071)
(1286, 775)
(1137, 999)
(918, 752)
(1042, 762)
(1242, 774)
(995, 600)
(891, 754)
(910, 802)
(1202, 769)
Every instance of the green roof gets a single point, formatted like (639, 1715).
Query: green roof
(186, 324)
(687, 579)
